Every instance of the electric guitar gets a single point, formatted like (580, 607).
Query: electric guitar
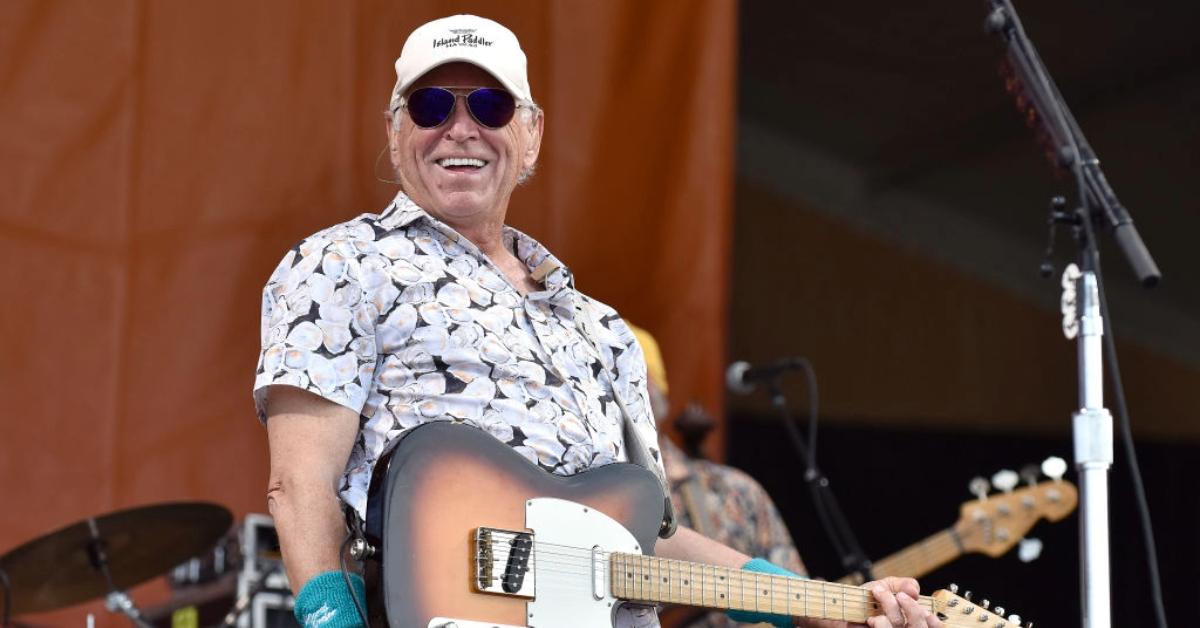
(989, 525)
(469, 534)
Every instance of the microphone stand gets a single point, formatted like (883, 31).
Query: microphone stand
(1092, 425)
(832, 520)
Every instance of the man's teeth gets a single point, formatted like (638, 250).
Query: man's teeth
(461, 161)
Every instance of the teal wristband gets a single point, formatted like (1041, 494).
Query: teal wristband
(762, 565)
(325, 602)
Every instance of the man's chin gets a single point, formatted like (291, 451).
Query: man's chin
(465, 203)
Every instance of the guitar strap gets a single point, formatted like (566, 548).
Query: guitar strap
(636, 449)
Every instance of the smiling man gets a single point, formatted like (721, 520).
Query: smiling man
(435, 310)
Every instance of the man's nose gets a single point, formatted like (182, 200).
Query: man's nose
(461, 126)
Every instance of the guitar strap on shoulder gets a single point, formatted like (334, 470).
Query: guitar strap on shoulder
(637, 450)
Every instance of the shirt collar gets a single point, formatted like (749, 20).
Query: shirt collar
(546, 269)
(403, 211)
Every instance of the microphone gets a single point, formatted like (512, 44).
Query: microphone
(740, 377)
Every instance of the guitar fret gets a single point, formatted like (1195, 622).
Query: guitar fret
(643, 578)
(651, 580)
(667, 580)
(696, 591)
(754, 593)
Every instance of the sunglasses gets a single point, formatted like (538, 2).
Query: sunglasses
(430, 107)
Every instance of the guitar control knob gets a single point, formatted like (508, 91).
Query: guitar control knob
(1054, 467)
(1006, 480)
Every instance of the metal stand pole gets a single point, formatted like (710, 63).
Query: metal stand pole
(1040, 99)
(116, 600)
(1093, 434)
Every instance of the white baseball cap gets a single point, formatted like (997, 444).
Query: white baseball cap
(467, 38)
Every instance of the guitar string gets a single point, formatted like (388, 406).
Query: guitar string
(807, 604)
(859, 599)
(580, 560)
(577, 552)
(575, 556)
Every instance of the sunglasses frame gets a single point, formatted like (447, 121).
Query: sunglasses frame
(462, 93)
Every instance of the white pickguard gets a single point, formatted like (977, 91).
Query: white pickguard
(576, 595)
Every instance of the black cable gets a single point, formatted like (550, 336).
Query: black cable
(346, 577)
(810, 376)
(829, 513)
(4, 621)
(1118, 390)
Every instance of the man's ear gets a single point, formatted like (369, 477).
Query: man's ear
(534, 146)
(393, 148)
(388, 125)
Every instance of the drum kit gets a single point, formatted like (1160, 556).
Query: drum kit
(104, 556)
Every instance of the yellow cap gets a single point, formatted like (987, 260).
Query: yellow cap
(655, 367)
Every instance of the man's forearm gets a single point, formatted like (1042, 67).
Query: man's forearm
(310, 441)
(311, 528)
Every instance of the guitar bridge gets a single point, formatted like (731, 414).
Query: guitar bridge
(502, 562)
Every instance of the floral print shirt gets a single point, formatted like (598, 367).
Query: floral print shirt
(399, 318)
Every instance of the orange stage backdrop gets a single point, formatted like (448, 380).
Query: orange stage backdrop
(159, 157)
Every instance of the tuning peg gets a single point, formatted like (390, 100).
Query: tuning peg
(1005, 480)
(1029, 549)
(1029, 473)
(967, 596)
(1015, 619)
(1054, 467)
(999, 611)
(953, 588)
(986, 603)
(979, 487)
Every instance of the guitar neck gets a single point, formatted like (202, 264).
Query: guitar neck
(915, 560)
(640, 578)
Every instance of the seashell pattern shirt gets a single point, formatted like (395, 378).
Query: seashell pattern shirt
(401, 319)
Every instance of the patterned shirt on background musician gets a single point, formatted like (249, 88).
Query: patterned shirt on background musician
(736, 511)
(399, 318)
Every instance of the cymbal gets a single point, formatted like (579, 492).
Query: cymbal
(56, 570)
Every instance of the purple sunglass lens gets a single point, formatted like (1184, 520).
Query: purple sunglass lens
(430, 106)
(491, 107)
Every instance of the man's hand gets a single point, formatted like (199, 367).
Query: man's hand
(897, 597)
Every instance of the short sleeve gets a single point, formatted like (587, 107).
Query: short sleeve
(318, 324)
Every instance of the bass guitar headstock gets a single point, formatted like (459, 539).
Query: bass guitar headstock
(993, 524)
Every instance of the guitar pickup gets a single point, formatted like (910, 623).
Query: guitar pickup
(503, 562)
